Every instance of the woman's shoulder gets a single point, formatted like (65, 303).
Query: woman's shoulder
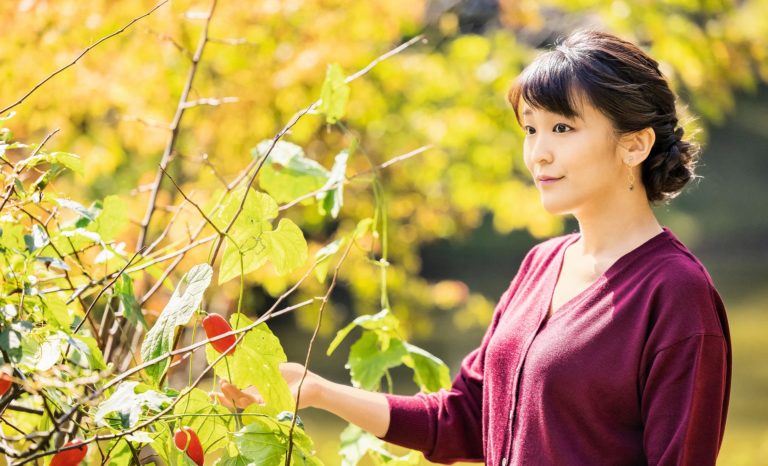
(674, 268)
(684, 299)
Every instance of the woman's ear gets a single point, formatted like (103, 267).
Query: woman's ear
(636, 146)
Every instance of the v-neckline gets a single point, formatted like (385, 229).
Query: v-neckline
(560, 258)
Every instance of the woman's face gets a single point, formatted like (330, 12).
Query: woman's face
(580, 151)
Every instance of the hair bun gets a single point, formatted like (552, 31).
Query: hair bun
(679, 132)
(667, 171)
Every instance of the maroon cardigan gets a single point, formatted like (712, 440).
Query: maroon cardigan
(635, 369)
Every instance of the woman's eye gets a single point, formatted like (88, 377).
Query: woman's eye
(561, 125)
(526, 128)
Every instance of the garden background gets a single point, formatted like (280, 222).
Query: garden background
(460, 207)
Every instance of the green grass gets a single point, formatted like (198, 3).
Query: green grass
(746, 432)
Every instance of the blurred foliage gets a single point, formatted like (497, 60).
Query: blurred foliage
(268, 60)
(113, 105)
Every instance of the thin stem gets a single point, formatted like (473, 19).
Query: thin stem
(88, 49)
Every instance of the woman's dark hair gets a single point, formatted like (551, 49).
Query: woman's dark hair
(625, 84)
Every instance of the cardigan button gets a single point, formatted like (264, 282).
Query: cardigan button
(503, 462)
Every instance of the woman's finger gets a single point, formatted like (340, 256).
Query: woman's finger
(223, 400)
(241, 398)
(230, 391)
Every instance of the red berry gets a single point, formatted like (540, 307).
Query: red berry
(5, 383)
(214, 326)
(71, 457)
(186, 440)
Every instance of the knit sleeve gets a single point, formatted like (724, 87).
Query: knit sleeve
(446, 426)
(684, 402)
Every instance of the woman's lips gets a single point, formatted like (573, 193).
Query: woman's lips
(550, 181)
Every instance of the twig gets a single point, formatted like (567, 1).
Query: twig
(266, 316)
(88, 49)
(177, 211)
(259, 162)
(104, 289)
(19, 167)
(213, 102)
(295, 119)
(194, 204)
(356, 175)
(309, 349)
(174, 129)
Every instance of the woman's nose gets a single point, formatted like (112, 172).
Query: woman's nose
(540, 151)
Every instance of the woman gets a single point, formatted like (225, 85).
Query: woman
(611, 345)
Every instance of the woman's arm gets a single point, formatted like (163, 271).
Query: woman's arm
(367, 410)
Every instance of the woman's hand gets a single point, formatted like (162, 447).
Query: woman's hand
(231, 396)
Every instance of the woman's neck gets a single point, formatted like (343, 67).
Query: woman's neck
(607, 233)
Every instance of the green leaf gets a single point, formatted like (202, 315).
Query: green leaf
(85, 352)
(265, 441)
(255, 219)
(67, 241)
(56, 312)
(130, 307)
(355, 444)
(112, 218)
(286, 247)
(53, 262)
(333, 199)
(66, 159)
(368, 362)
(340, 336)
(184, 302)
(127, 404)
(121, 454)
(330, 249)
(11, 341)
(259, 207)
(383, 322)
(71, 161)
(412, 458)
(334, 94)
(236, 460)
(287, 174)
(322, 256)
(12, 237)
(37, 240)
(429, 372)
(210, 422)
(262, 442)
(255, 361)
(77, 207)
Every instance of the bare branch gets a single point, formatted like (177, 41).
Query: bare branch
(309, 350)
(96, 299)
(213, 102)
(194, 204)
(389, 162)
(174, 129)
(88, 49)
(295, 119)
(19, 167)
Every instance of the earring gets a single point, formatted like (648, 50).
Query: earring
(631, 177)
